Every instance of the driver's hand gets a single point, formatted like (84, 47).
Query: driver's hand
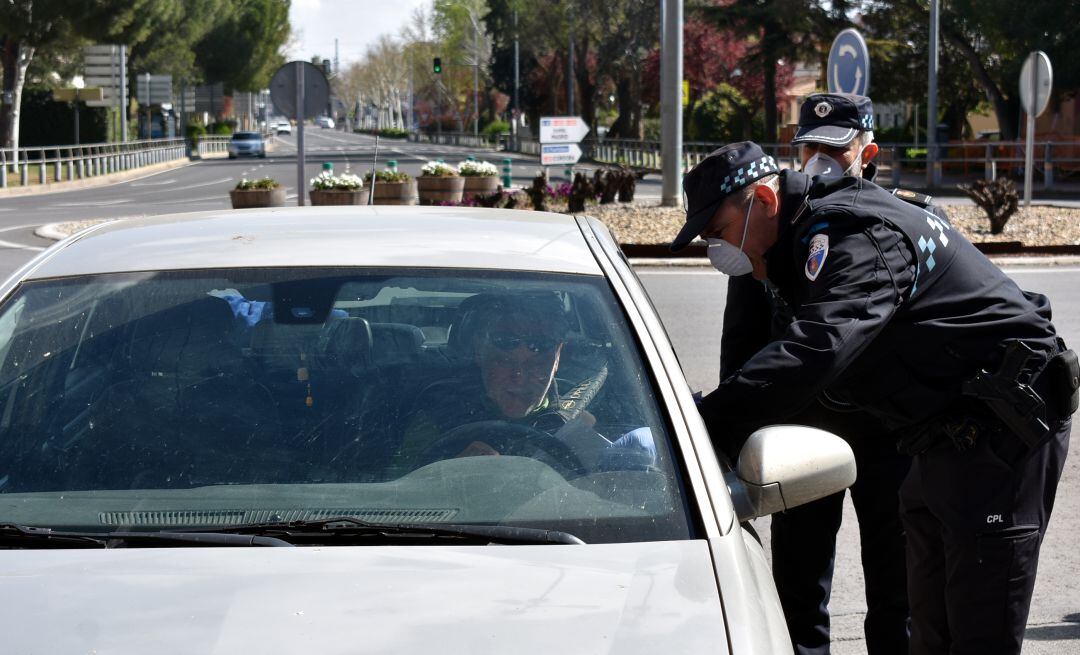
(477, 449)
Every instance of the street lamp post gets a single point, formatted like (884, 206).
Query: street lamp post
(671, 72)
(79, 84)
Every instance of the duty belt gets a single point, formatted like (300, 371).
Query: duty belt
(1026, 401)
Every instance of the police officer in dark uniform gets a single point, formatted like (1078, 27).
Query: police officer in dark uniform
(836, 138)
(896, 313)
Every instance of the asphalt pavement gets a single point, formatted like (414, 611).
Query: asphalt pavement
(679, 293)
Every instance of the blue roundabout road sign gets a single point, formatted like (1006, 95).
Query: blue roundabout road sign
(849, 64)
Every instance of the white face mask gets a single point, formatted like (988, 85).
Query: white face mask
(728, 259)
(826, 166)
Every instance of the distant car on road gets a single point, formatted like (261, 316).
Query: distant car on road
(246, 144)
(325, 122)
(283, 127)
(436, 428)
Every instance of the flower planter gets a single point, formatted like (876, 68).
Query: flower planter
(395, 193)
(245, 198)
(435, 190)
(338, 196)
(480, 185)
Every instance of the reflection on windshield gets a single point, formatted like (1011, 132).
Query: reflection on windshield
(267, 395)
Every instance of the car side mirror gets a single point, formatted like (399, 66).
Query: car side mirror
(784, 466)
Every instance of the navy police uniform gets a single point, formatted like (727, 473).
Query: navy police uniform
(896, 313)
(804, 538)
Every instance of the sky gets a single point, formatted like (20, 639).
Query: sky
(356, 24)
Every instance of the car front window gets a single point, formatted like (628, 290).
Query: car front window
(179, 400)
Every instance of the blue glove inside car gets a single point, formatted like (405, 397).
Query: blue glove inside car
(633, 451)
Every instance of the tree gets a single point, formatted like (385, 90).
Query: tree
(26, 25)
(460, 30)
(780, 31)
(244, 50)
(717, 64)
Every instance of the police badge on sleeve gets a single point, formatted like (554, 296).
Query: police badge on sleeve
(819, 250)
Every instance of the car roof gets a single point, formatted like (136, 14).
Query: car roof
(383, 236)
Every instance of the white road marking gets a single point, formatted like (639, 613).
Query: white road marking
(19, 246)
(162, 183)
(202, 184)
(98, 203)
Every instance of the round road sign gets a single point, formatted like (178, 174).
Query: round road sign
(849, 64)
(316, 89)
(1038, 72)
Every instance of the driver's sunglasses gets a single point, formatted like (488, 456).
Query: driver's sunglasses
(535, 344)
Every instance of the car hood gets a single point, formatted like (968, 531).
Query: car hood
(626, 598)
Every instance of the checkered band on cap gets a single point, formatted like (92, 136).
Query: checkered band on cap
(867, 121)
(747, 174)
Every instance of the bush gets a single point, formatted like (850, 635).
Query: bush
(264, 183)
(224, 128)
(723, 115)
(386, 133)
(195, 131)
(998, 198)
(495, 128)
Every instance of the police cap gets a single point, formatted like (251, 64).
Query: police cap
(833, 118)
(722, 173)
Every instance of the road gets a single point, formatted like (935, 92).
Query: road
(1054, 625)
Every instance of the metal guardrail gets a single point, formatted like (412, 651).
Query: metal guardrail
(76, 162)
(969, 159)
(216, 143)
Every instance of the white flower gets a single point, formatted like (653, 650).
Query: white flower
(328, 181)
(438, 169)
(478, 169)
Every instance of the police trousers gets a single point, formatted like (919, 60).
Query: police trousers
(975, 521)
(804, 543)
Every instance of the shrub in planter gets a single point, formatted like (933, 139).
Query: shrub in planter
(998, 198)
(392, 188)
(265, 192)
(481, 177)
(330, 189)
(439, 183)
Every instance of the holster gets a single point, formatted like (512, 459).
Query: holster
(1026, 398)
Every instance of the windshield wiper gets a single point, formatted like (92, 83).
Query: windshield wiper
(21, 536)
(349, 529)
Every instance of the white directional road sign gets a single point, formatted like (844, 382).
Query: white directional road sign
(105, 67)
(562, 129)
(559, 153)
(849, 64)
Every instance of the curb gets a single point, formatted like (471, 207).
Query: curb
(94, 182)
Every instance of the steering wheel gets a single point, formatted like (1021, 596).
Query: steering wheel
(508, 439)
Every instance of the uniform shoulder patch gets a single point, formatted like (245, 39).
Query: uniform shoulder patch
(917, 199)
(815, 260)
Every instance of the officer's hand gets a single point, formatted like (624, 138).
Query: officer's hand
(477, 449)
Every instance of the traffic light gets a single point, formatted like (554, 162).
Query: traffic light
(436, 65)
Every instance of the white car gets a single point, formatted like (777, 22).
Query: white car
(371, 429)
(283, 127)
(325, 122)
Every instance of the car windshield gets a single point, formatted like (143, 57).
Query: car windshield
(178, 400)
(246, 136)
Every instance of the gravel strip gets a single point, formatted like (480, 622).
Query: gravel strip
(646, 222)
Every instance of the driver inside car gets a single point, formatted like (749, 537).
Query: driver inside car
(516, 349)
